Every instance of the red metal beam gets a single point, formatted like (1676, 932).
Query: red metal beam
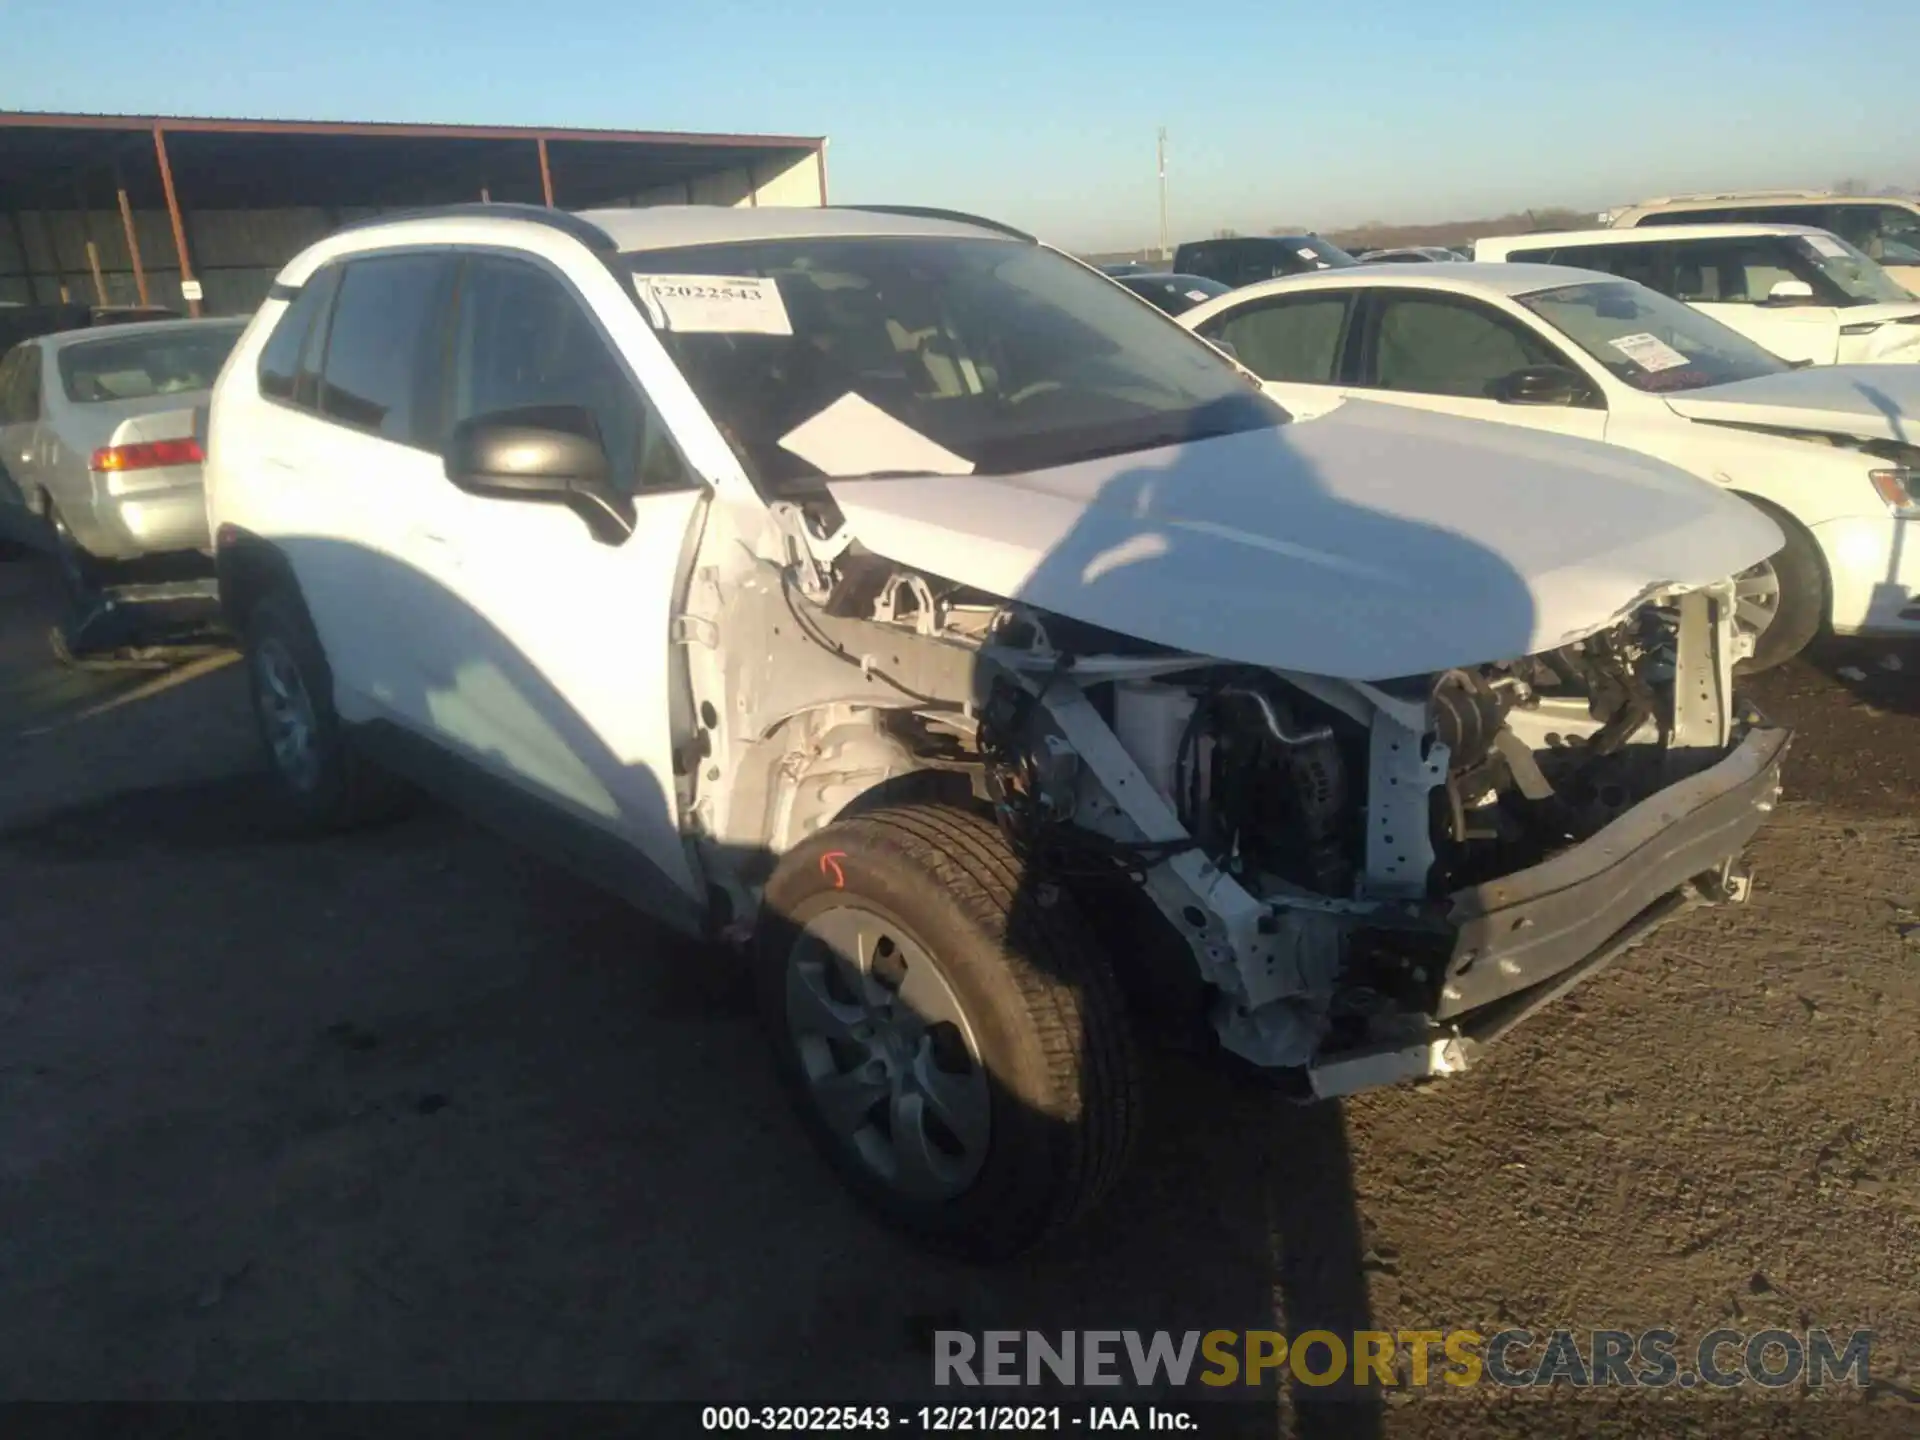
(189, 125)
(173, 213)
(546, 173)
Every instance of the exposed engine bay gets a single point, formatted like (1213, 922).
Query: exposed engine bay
(1368, 878)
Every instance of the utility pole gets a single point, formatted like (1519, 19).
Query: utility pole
(1165, 248)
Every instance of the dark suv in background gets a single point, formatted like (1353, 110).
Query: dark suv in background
(1246, 259)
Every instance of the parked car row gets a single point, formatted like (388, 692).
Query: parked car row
(1692, 354)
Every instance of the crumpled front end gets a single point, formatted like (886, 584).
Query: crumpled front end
(1376, 880)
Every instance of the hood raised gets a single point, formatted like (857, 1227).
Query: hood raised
(1873, 402)
(1371, 543)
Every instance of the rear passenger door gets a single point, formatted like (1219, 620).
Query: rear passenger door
(365, 456)
(1455, 354)
(554, 669)
(1294, 343)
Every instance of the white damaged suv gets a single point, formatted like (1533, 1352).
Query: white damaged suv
(905, 598)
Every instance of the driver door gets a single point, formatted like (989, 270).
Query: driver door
(551, 663)
(1450, 353)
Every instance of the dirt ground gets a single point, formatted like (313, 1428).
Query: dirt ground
(411, 1115)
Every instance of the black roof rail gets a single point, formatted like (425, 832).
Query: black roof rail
(925, 212)
(565, 221)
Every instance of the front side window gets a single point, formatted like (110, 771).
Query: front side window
(1648, 340)
(1836, 265)
(1296, 338)
(1004, 356)
(522, 339)
(383, 319)
(1435, 345)
(179, 360)
(1895, 239)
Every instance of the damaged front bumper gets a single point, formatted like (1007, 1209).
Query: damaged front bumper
(1527, 938)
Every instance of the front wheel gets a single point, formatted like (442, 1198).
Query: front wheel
(955, 1045)
(1783, 599)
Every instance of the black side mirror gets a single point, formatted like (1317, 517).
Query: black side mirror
(1540, 385)
(549, 453)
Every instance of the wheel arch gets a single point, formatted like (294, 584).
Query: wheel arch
(1793, 529)
(248, 567)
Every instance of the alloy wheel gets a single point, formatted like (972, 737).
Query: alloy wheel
(890, 1061)
(287, 716)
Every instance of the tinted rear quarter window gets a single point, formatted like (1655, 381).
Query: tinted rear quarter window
(280, 356)
(386, 312)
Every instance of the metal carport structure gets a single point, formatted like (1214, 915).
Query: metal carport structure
(199, 213)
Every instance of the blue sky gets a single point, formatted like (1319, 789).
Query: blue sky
(1044, 114)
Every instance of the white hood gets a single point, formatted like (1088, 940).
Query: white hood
(1372, 543)
(1874, 402)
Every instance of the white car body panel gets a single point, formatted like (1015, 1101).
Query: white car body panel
(1824, 487)
(1367, 544)
(1875, 402)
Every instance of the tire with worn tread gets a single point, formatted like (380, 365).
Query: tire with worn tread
(344, 790)
(1062, 1071)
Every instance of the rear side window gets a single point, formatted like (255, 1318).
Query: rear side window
(180, 360)
(1645, 264)
(1294, 339)
(1697, 217)
(383, 320)
(280, 357)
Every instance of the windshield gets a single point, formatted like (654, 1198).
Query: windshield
(1848, 269)
(135, 367)
(1319, 254)
(874, 355)
(1649, 341)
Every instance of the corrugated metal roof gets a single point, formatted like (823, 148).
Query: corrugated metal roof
(191, 124)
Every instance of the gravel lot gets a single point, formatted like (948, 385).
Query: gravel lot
(410, 1114)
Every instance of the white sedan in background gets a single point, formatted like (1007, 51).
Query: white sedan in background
(97, 438)
(1831, 453)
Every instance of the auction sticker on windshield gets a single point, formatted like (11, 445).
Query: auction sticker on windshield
(1826, 245)
(1649, 352)
(713, 304)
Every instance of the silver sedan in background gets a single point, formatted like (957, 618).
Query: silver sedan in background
(97, 436)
